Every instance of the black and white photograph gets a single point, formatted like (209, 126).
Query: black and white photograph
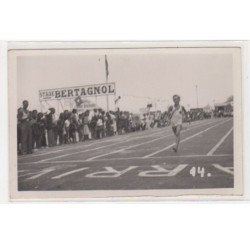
(115, 122)
(124, 125)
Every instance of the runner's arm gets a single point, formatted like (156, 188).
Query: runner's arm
(169, 112)
(185, 112)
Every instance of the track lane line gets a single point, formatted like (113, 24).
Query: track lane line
(226, 170)
(69, 173)
(137, 145)
(116, 143)
(84, 151)
(132, 158)
(211, 152)
(178, 169)
(186, 139)
(41, 173)
(73, 147)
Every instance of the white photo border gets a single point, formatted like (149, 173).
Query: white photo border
(237, 193)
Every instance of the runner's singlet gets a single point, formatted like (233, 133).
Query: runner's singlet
(176, 118)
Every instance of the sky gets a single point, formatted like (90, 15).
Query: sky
(142, 76)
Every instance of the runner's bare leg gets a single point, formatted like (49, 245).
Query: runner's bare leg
(177, 137)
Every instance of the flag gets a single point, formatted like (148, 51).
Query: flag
(78, 101)
(106, 68)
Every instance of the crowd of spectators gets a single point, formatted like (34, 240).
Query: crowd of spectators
(37, 130)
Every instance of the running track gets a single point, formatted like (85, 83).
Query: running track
(139, 160)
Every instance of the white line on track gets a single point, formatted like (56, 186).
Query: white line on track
(178, 169)
(105, 146)
(84, 151)
(120, 138)
(131, 158)
(128, 140)
(129, 147)
(41, 173)
(73, 147)
(69, 173)
(110, 172)
(92, 149)
(211, 152)
(226, 170)
(186, 139)
(137, 145)
(24, 175)
(160, 171)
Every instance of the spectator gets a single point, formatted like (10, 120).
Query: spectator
(41, 141)
(60, 128)
(50, 121)
(114, 122)
(72, 129)
(66, 129)
(86, 131)
(93, 123)
(35, 129)
(80, 127)
(99, 127)
(109, 123)
(25, 129)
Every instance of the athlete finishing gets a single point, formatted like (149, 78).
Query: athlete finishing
(176, 114)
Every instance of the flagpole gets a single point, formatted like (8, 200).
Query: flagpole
(41, 106)
(107, 75)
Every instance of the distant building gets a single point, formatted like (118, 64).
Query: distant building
(223, 109)
(207, 109)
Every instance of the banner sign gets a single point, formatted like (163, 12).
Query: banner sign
(143, 110)
(86, 104)
(102, 89)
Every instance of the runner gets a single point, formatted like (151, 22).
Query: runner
(176, 114)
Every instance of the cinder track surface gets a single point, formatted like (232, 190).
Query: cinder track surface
(139, 160)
